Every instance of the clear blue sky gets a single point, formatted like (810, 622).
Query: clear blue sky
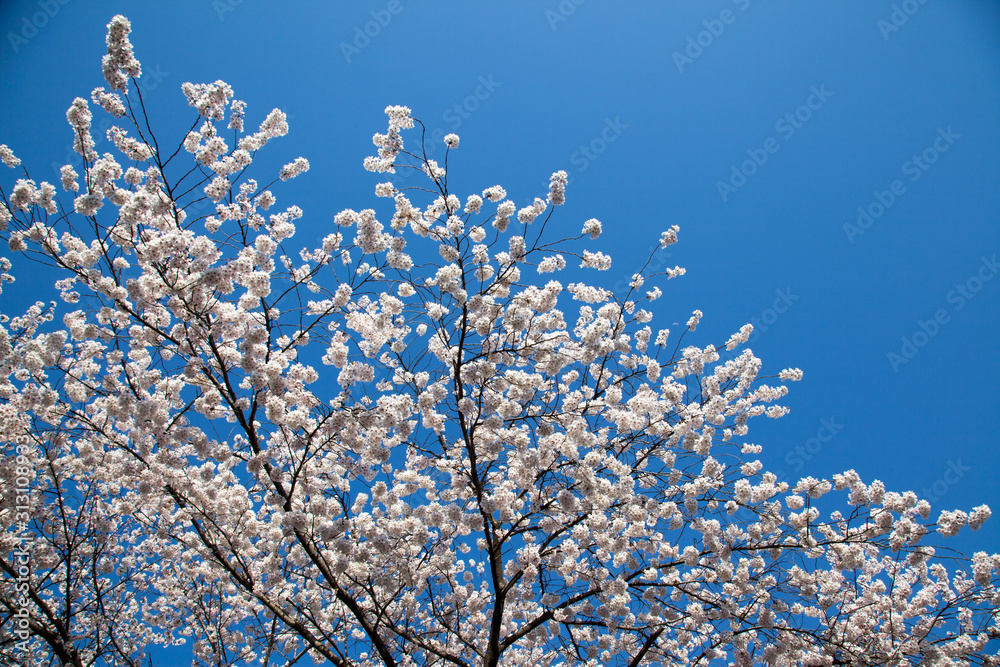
(650, 106)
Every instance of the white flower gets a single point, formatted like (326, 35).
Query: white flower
(949, 523)
(88, 204)
(399, 117)
(983, 567)
(550, 264)
(79, 117)
(436, 311)
(504, 211)
(110, 102)
(451, 140)
(379, 165)
(346, 218)
(265, 199)
(192, 142)
(669, 237)
(275, 125)
(595, 260)
(473, 204)
(495, 193)
(24, 194)
(133, 148)
(218, 188)
(293, 169)
(517, 247)
(592, 227)
(695, 319)
(432, 169)
(740, 337)
(237, 109)
(120, 64)
(557, 188)
(210, 99)
(8, 157)
(529, 213)
(16, 242)
(132, 176)
(979, 516)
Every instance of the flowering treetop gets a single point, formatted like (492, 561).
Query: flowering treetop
(404, 446)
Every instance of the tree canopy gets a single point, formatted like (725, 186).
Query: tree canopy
(407, 446)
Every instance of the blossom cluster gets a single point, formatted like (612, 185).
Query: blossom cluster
(120, 64)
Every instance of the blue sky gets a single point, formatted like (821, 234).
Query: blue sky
(759, 128)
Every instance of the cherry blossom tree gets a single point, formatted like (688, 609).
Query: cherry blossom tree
(406, 446)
